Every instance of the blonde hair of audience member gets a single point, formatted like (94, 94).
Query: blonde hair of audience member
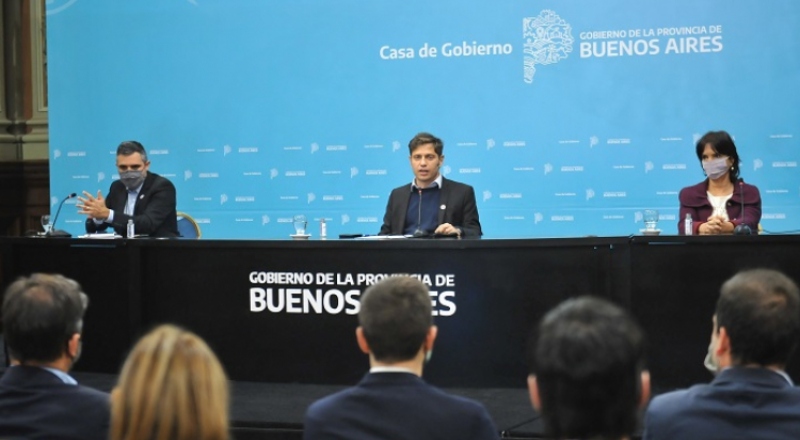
(172, 386)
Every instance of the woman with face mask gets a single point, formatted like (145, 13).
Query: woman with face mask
(715, 204)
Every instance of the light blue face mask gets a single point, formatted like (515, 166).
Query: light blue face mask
(716, 168)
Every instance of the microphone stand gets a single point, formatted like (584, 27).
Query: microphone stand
(53, 232)
(419, 233)
(742, 228)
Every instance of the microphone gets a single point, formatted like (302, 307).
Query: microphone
(419, 233)
(742, 228)
(55, 232)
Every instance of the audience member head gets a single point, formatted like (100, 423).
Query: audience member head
(423, 138)
(395, 320)
(721, 143)
(757, 319)
(587, 378)
(43, 320)
(171, 387)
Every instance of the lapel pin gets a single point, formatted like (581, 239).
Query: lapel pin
(443, 207)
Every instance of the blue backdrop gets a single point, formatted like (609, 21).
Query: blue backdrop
(568, 117)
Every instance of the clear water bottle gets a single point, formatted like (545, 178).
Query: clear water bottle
(687, 225)
(323, 229)
(131, 231)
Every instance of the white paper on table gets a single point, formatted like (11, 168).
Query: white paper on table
(101, 236)
(382, 237)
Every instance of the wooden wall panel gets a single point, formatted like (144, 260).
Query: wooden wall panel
(24, 195)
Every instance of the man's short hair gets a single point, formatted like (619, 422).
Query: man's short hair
(760, 310)
(588, 361)
(426, 138)
(395, 317)
(127, 148)
(40, 315)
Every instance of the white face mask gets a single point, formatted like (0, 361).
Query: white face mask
(716, 168)
(710, 361)
(428, 356)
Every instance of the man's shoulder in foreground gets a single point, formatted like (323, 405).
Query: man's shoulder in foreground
(740, 401)
(397, 405)
(34, 403)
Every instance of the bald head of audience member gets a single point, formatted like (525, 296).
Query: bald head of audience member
(587, 378)
(171, 387)
(43, 320)
(396, 325)
(757, 320)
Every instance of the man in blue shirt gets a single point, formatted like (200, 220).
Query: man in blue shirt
(431, 204)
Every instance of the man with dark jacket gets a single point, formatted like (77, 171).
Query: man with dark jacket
(756, 328)
(139, 195)
(42, 321)
(431, 204)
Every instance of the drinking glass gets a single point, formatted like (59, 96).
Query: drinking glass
(300, 224)
(46, 224)
(650, 217)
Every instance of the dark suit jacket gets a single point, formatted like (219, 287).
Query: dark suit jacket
(396, 406)
(694, 201)
(154, 213)
(460, 210)
(740, 403)
(35, 404)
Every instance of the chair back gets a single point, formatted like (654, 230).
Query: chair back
(188, 227)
